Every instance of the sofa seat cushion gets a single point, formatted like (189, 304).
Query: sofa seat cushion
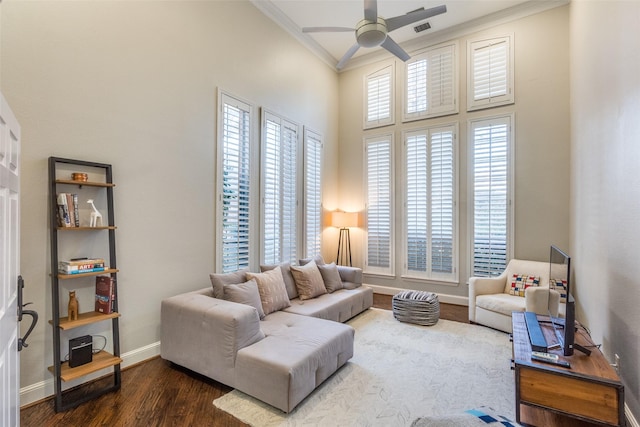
(297, 354)
(501, 303)
(338, 306)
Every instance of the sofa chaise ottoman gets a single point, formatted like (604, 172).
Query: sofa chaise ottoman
(279, 357)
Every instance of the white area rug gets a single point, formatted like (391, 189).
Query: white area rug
(400, 372)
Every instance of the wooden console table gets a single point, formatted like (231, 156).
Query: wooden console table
(588, 393)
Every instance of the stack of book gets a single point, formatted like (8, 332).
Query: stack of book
(68, 210)
(81, 265)
(105, 294)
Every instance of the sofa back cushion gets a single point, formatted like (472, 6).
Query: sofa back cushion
(245, 293)
(308, 280)
(273, 293)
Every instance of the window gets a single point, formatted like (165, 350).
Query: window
(430, 203)
(491, 139)
(379, 204)
(312, 193)
(279, 190)
(379, 93)
(431, 87)
(234, 183)
(490, 73)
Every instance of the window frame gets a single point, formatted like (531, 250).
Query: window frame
(443, 109)
(452, 278)
(312, 247)
(509, 120)
(388, 70)
(490, 101)
(279, 207)
(373, 139)
(223, 99)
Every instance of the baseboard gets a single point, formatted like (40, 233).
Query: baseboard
(631, 419)
(447, 299)
(45, 389)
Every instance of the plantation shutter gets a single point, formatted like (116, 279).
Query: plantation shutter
(313, 193)
(490, 73)
(379, 98)
(430, 203)
(279, 190)
(431, 84)
(236, 188)
(491, 216)
(379, 204)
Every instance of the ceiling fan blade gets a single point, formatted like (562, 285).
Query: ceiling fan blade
(371, 10)
(347, 56)
(395, 48)
(327, 29)
(411, 17)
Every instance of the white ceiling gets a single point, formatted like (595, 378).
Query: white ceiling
(293, 15)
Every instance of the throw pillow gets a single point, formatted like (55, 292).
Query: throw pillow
(245, 293)
(219, 280)
(331, 277)
(317, 259)
(289, 283)
(520, 282)
(308, 280)
(560, 286)
(273, 293)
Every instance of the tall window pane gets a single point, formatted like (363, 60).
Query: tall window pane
(279, 178)
(430, 196)
(379, 204)
(234, 140)
(491, 195)
(312, 193)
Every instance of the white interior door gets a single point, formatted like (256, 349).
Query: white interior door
(9, 265)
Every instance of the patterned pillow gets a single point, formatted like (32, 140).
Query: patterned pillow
(560, 286)
(308, 280)
(520, 282)
(273, 292)
(245, 293)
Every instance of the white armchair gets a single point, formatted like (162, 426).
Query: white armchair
(491, 304)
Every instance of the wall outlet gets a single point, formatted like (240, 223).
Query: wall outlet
(616, 363)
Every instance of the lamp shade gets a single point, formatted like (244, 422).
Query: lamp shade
(344, 219)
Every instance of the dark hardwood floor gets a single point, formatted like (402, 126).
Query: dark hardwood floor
(158, 393)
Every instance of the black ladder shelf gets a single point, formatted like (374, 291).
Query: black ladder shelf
(88, 390)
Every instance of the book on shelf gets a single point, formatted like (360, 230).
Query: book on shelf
(82, 271)
(105, 294)
(68, 214)
(81, 266)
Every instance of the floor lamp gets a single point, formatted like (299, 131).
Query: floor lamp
(344, 220)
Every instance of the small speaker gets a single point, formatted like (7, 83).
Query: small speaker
(80, 351)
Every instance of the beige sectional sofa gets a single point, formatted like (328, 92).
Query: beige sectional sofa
(279, 358)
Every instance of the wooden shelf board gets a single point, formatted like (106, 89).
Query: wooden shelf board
(87, 183)
(85, 319)
(100, 360)
(110, 227)
(93, 273)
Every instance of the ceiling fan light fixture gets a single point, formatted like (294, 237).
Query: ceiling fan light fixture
(371, 34)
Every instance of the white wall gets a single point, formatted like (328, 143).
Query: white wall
(541, 186)
(134, 84)
(605, 152)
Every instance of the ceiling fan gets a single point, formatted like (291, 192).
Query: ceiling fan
(372, 30)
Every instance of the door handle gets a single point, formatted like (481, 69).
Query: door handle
(22, 342)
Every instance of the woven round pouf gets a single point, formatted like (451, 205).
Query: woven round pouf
(419, 307)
